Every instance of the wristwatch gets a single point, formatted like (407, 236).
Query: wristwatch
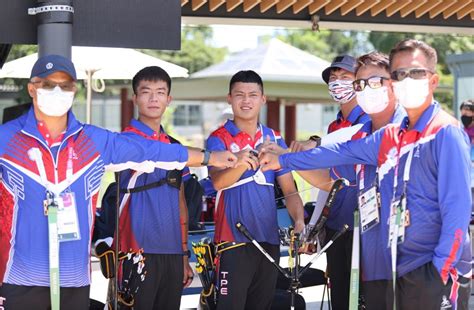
(207, 156)
(187, 253)
(316, 139)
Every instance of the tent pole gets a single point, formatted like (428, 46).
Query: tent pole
(89, 96)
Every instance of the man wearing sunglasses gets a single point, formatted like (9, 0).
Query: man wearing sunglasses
(375, 96)
(424, 185)
(51, 166)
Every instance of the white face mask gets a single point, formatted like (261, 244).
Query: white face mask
(341, 91)
(55, 102)
(411, 93)
(371, 100)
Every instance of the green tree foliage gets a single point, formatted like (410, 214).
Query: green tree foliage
(327, 44)
(324, 44)
(444, 44)
(18, 51)
(196, 53)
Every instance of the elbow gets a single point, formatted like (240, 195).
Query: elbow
(218, 185)
(326, 187)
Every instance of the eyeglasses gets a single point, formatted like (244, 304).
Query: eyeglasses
(373, 82)
(50, 85)
(414, 73)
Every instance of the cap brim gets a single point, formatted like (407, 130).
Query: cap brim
(45, 74)
(327, 71)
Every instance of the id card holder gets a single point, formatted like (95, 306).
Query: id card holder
(403, 219)
(369, 209)
(68, 221)
(398, 209)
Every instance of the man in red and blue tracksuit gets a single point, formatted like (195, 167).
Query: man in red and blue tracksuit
(377, 100)
(423, 171)
(153, 212)
(153, 219)
(246, 279)
(51, 164)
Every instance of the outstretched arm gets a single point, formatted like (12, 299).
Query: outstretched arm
(130, 151)
(221, 159)
(363, 151)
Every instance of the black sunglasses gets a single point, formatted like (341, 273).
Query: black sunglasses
(414, 73)
(373, 82)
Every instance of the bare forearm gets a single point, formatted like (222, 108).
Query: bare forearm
(195, 157)
(294, 204)
(226, 177)
(183, 216)
(319, 178)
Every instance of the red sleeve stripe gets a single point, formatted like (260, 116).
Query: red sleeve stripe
(452, 255)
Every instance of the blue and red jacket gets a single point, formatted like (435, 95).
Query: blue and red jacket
(88, 151)
(438, 192)
(150, 219)
(342, 211)
(371, 240)
(251, 203)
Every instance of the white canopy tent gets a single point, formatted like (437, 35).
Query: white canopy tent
(97, 63)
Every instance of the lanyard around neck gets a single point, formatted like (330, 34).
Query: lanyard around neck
(406, 170)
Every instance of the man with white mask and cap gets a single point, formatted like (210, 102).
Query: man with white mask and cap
(424, 182)
(50, 171)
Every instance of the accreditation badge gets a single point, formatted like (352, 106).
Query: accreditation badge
(369, 209)
(399, 219)
(68, 221)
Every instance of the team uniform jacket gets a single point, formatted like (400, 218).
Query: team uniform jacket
(150, 219)
(371, 241)
(250, 203)
(76, 164)
(342, 211)
(438, 192)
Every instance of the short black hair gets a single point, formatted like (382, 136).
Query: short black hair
(153, 74)
(411, 45)
(246, 76)
(374, 58)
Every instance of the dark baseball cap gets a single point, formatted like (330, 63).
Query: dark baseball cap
(345, 62)
(49, 64)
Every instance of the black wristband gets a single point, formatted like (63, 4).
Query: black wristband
(207, 156)
(187, 253)
(316, 139)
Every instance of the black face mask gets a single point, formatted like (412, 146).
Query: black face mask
(466, 120)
